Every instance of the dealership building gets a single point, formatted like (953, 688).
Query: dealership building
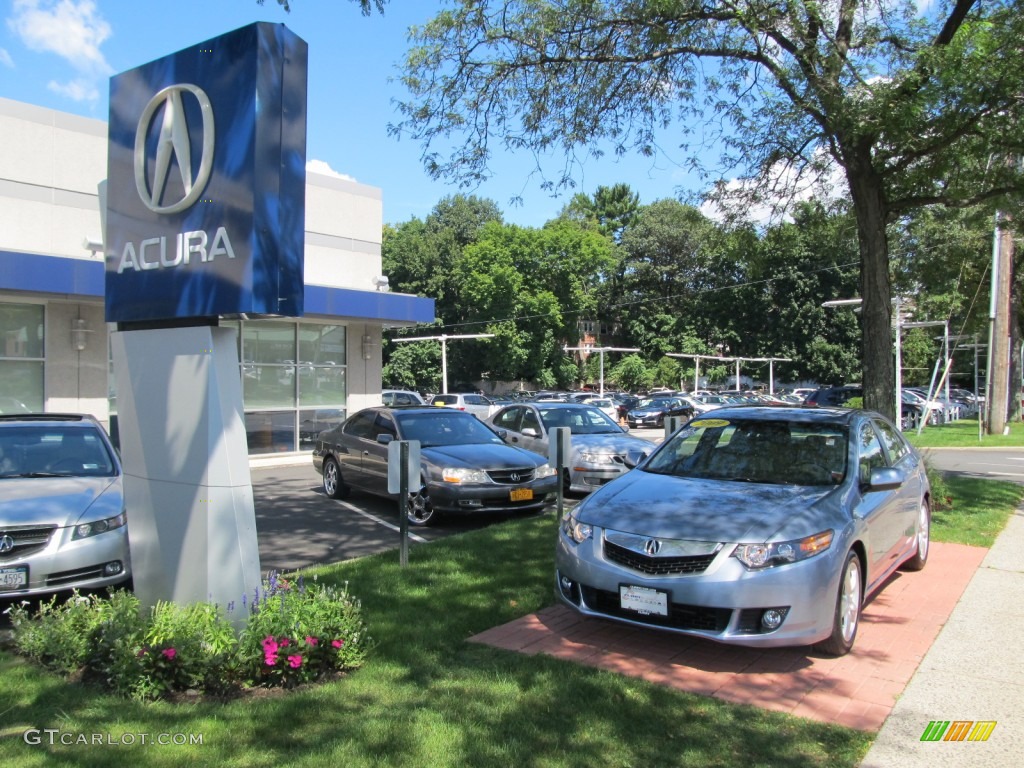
(299, 375)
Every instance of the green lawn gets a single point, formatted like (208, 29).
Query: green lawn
(427, 697)
(965, 434)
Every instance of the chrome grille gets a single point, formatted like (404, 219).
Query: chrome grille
(657, 566)
(512, 476)
(28, 539)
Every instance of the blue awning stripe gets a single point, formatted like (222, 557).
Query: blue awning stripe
(81, 277)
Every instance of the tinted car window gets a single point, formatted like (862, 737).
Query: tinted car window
(509, 419)
(445, 428)
(362, 425)
(871, 454)
(893, 442)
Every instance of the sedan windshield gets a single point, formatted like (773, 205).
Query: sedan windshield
(45, 451)
(444, 428)
(756, 451)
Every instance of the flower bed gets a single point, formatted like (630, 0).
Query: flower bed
(295, 632)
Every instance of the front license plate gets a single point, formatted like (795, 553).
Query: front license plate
(643, 600)
(521, 494)
(13, 577)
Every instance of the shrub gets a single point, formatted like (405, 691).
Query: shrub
(293, 634)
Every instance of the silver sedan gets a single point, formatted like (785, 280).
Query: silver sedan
(754, 526)
(63, 523)
(600, 451)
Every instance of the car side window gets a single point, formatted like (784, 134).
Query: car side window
(871, 454)
(894, 444)
(508, 419)
(530, 420)
(362, 425)
(384, 425)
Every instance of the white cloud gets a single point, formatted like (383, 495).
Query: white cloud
(5, 58)
(71, 29)
(324, 168)
(76, 90)
(765, 201)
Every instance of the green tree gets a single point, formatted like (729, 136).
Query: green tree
(611, 210)
(910, 106)
(631, 373)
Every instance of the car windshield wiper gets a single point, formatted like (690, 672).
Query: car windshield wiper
(40, 474)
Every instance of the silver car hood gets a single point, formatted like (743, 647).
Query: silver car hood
(56, 501)
(612, 442)
(671, 507)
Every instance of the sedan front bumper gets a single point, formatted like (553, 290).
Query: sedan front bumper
(725, 602)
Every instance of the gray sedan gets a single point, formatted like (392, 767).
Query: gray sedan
(601, 450)
(754, 526)
(465, 465)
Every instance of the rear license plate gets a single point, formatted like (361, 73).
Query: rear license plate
(643, 600)
(14, 577)
(521, 494)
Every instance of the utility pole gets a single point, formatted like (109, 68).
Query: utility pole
(998, 397)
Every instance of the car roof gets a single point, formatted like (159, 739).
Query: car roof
(35, 418)
(797, 413)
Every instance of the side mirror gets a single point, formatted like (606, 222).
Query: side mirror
(385, 438)
(530, 432)
(886, 479)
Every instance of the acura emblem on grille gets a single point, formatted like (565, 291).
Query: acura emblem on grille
(6, 544)
(652, 547)
(514, 477)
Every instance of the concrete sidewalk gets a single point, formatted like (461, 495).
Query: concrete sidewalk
(974, 672)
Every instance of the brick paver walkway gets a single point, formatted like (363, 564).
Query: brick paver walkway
(858, 690)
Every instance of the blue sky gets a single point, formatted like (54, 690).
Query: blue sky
(60, 54)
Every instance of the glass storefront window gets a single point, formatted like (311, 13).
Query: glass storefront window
(22, 344)
(270, 431)
(314, 421)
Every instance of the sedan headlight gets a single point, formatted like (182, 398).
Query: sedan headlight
(85, 530)
(574, 529)
(757, 556)
(597, 458)
(464, 475)
(545, 470)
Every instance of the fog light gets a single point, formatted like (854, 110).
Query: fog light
(113, 568)
(772, 618)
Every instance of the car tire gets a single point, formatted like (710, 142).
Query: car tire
(846, 617)
(419, 510)
(334, 487)
(923, 536)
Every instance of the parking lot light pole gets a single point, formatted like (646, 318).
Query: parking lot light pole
(443, 338)
(602, 350)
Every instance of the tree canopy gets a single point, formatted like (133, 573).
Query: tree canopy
(913, 107)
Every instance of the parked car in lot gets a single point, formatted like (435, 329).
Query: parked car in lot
(479, 405)
(63, 523)
(465, 466)
(600, 449)
(652, 411)
(752, 526)
(606, 405)
(401, 397)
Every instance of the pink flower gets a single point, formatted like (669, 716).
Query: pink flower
(311, 640)
(270, 659)
(295, 661)
(170, 653)
(285, 642)
(337, 643)
(270, 644)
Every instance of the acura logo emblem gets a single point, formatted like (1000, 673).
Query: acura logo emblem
(173, 143)
(6, 544)
(514, 477)
(652, 547)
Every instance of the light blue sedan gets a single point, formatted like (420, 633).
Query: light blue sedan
(757, 526)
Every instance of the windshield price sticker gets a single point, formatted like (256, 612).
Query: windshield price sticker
(643, 600)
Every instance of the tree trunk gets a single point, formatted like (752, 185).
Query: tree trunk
(877, 360)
